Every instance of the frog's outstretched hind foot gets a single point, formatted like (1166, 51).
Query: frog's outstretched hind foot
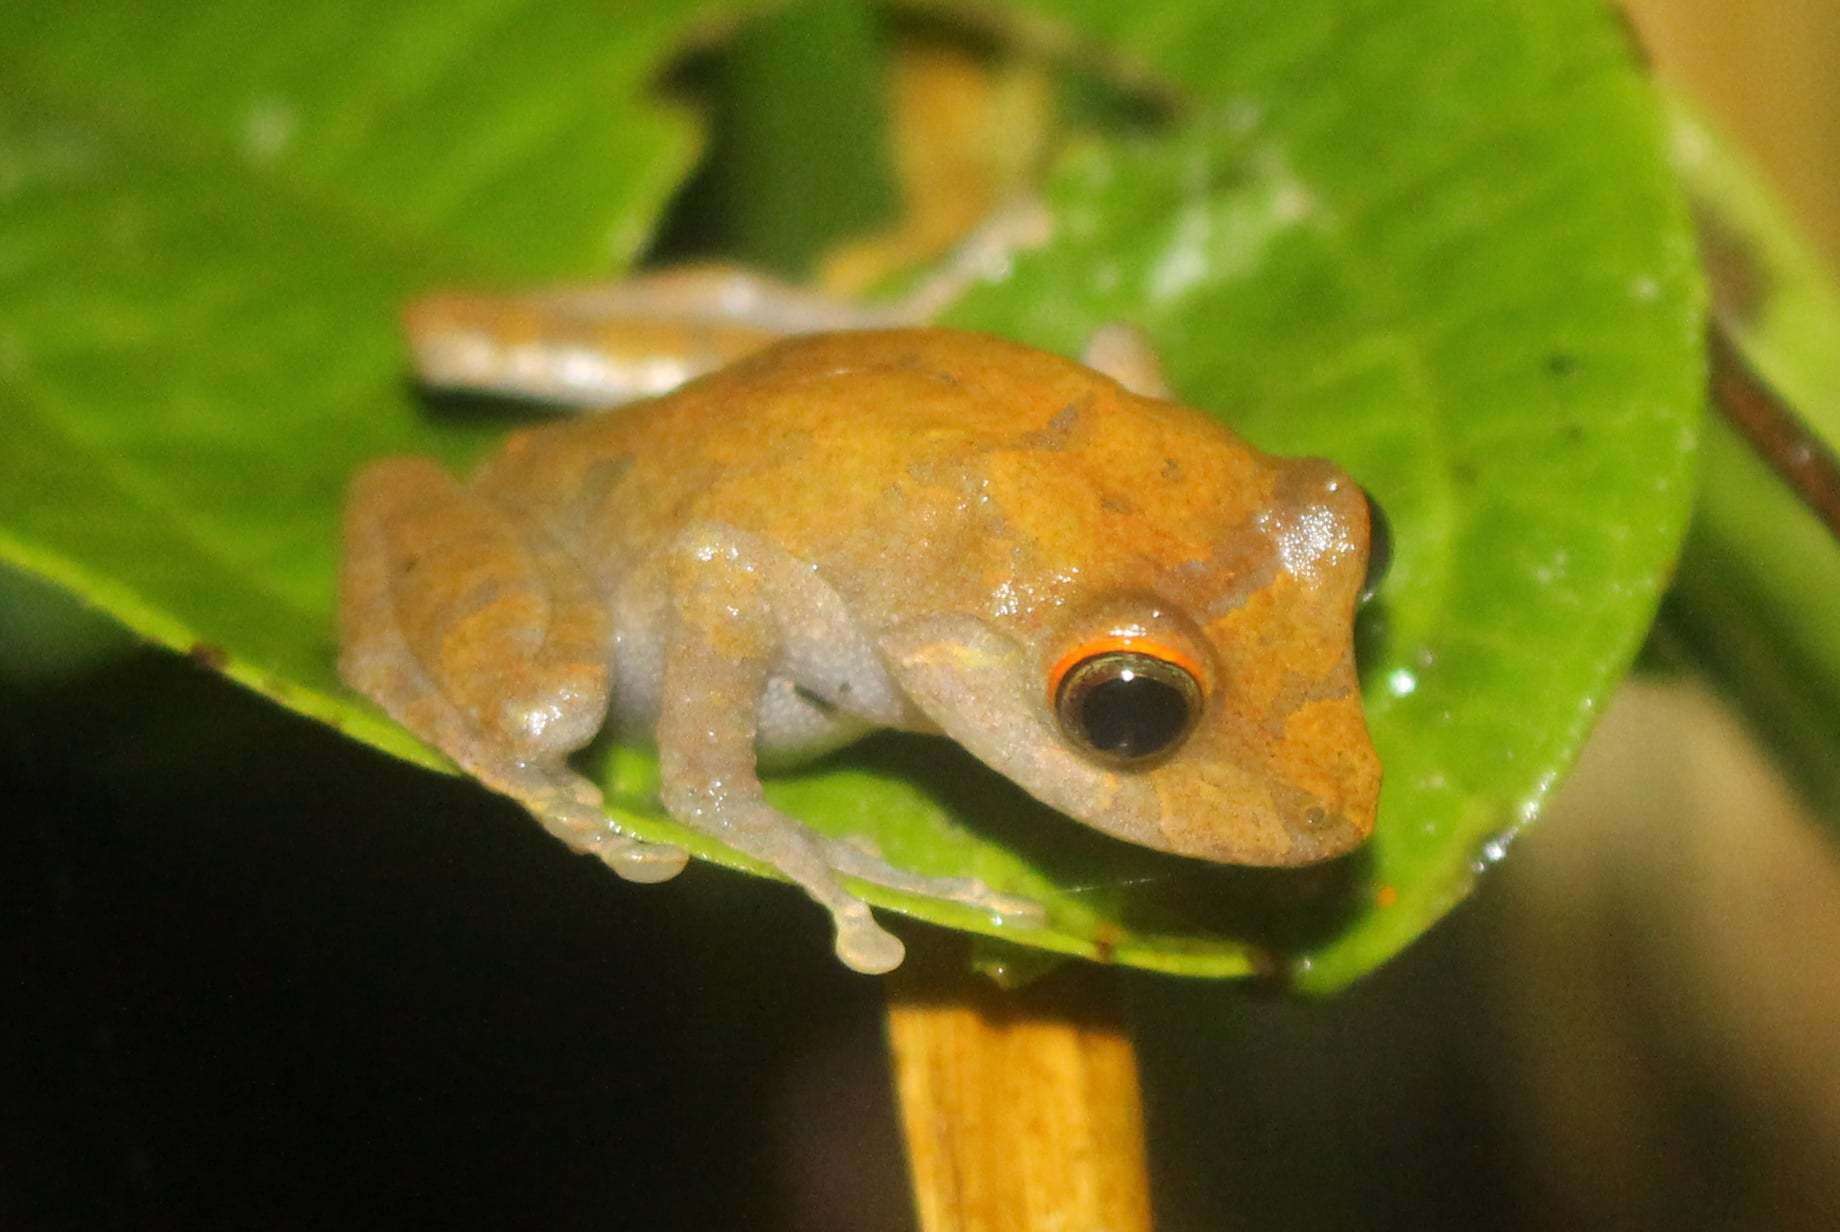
(597, 346)
(1126, 354)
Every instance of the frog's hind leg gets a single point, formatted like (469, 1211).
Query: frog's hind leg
(599, 346)
(486, 646)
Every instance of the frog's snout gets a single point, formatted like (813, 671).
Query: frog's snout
(1275, 805)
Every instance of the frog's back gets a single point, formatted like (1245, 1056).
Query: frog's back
(862, 450)
(852, 406)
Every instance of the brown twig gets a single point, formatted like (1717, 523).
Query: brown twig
(1020, 1109)
(1773, 429)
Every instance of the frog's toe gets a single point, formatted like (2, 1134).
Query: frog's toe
(573, 814)
(865, 946)
(644, 862)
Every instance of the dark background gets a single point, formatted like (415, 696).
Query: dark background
(264, 977)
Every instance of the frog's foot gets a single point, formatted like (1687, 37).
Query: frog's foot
(589, 830)
(752, 827)
(733, 600)
(854, 858)
(862, 944)
(569, 807)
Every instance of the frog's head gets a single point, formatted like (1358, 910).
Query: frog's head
(1214, 714)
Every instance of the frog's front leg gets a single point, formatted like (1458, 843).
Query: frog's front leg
(485, 641)
(719, 652)
(742, 615)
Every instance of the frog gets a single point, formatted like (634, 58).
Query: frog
(784, 523)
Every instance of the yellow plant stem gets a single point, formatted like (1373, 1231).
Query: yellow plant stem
(1020, 1110)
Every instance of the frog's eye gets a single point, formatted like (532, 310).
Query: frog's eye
(1379, 548)
(1123, 704)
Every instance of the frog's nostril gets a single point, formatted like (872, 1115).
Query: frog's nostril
(1319, 834)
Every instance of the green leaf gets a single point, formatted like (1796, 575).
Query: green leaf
(208, 217)
(791, 93)
(47, 635)
(1755, 599)
(1439, 242)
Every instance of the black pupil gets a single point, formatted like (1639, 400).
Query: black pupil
(1132, 715)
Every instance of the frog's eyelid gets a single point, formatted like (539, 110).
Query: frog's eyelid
(1111, 643)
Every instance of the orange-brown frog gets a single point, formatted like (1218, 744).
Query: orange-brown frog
(1106, 597)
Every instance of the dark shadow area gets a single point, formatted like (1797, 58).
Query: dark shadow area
(1278, 910)
(1381, 1109)
(263, 977)
(1372, 628)
(491, 412)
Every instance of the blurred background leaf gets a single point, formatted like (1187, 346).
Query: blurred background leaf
(1757, 596)
(209, 218)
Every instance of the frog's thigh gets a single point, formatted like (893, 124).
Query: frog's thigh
(487, 648)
